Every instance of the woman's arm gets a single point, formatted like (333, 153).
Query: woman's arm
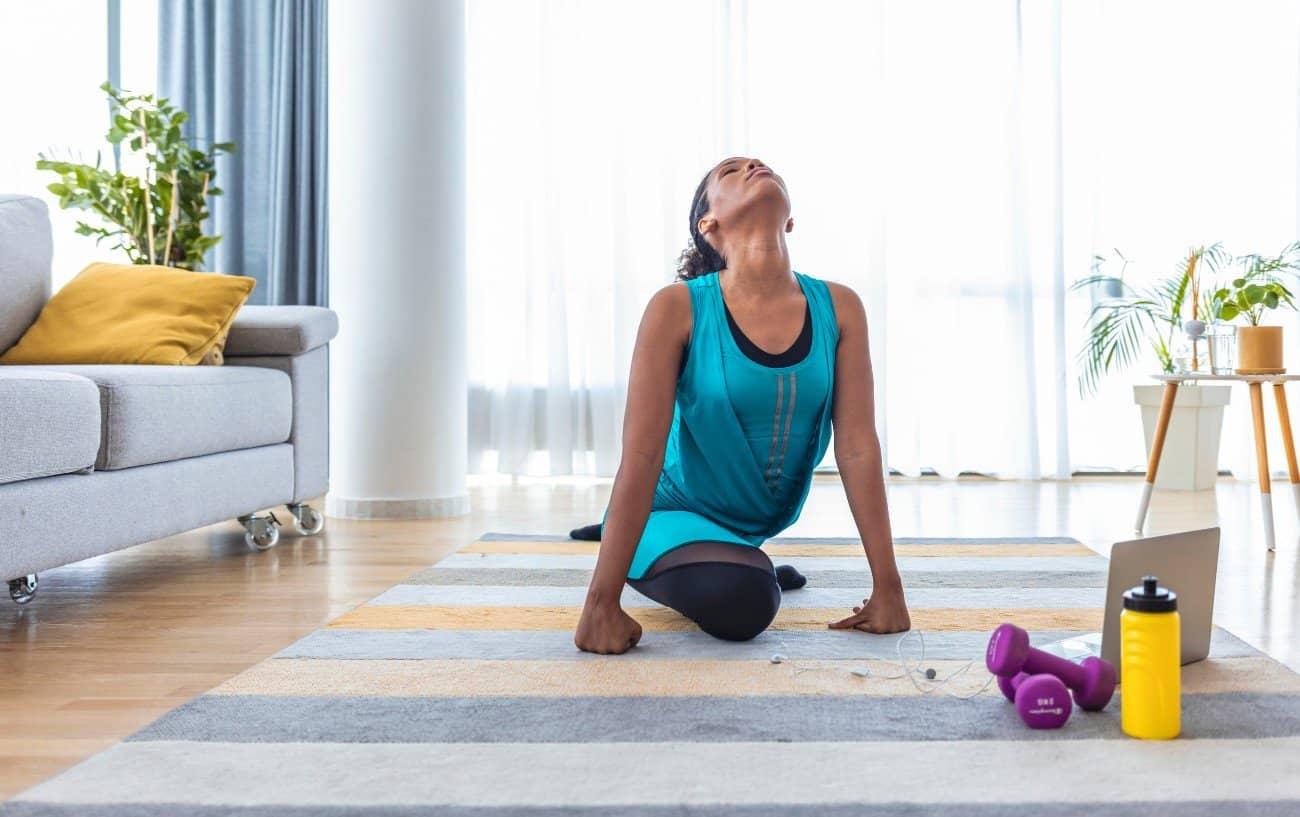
(652, 391)
(861, 467)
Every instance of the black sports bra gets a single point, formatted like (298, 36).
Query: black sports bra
(797, 351)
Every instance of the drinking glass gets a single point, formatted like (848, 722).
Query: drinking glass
(1222, 341)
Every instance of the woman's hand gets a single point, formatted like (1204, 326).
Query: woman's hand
(606, 629)
(884, 611)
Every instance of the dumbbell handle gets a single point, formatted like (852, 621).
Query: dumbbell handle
(1010, 683)
(1037, 661)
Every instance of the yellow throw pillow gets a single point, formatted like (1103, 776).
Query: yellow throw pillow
(123, 313)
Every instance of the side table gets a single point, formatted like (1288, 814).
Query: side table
(1256, 384)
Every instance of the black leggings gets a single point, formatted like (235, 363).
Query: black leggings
(729, 590)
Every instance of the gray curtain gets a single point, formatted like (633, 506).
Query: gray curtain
(252, 72)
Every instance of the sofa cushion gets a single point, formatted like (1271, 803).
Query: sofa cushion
(161, 413)
(25, 251)
(49, 424)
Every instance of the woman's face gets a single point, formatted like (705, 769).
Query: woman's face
(742, 187)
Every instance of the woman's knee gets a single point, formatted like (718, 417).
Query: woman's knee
(746, 604)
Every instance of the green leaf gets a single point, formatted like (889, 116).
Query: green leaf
(152, 127)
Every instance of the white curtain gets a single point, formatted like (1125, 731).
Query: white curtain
(1180, 125)
(956, 163)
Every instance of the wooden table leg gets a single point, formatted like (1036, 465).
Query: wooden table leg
(1157, 446)
(1284, 417)
(1261, 459)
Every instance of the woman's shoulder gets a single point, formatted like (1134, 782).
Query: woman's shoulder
(843, 299)
(670, 311)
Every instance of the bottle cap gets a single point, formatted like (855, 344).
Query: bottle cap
(1150, 597)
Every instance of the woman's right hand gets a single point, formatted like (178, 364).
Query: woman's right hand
(606, 629)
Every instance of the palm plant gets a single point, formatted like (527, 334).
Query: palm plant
(1149, 316)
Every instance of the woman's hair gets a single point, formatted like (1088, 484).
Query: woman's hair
(700, 258)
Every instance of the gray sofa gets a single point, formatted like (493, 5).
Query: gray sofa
(98, 458)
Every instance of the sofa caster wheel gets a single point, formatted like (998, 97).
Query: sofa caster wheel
(260, 532)
(23, 590)
(307, 520)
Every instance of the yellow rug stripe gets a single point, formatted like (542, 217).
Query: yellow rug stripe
(579, 548)
(660, 619)
(626, 676)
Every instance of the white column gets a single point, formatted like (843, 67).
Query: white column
(397, 258)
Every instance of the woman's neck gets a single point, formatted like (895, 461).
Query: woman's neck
(758, 266)
(745, 283)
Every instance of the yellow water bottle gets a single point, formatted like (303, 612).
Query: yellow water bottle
(1150, 662)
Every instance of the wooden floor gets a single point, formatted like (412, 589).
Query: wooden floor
(112, 642)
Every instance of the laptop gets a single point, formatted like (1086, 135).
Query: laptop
(1186, 563)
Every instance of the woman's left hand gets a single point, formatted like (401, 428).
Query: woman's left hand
(882, 612)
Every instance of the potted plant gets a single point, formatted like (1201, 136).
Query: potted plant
(157, 217)
(1123, 328)
(1259, 348)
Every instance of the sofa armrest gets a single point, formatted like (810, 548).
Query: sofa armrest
(260, 331)
(294, 340)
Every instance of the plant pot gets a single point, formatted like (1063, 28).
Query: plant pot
(1259, 350)
(1190, 458)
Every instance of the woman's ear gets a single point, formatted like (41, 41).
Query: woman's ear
(707, 225)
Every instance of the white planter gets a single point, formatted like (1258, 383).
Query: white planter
(1190, 461)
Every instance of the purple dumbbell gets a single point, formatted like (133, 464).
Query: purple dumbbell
(1042, 700)
(1093, 681)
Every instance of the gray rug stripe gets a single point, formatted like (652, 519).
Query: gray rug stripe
(973, 598)
(556, 645)
(832, 540)
(854, 565)
(545, 577)
(1194, 808)
(616, 775)
(704, 719)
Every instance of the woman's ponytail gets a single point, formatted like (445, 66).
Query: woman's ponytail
(700, 258)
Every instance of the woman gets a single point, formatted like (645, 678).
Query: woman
(721, 435)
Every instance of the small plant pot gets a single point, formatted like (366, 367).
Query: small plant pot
(1259, 350)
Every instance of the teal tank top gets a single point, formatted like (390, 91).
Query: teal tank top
(745, 437)
(771, 417)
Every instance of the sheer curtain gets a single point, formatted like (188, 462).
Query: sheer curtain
(1181, 131)
(956, 163)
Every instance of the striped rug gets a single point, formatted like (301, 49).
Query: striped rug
(460, 692)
